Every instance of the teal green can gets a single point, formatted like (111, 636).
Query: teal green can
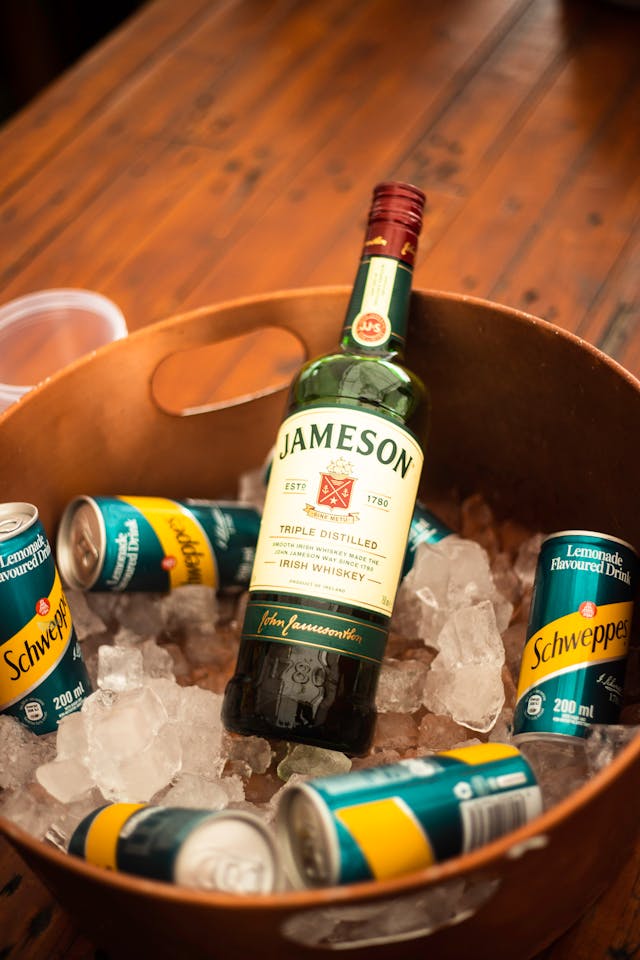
(574, 662)
(383, 822)
(156, 544)
(43, 677)
(229, 850)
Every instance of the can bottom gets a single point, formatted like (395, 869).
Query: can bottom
(546, 736)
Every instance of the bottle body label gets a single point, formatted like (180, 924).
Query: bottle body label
(340, 500)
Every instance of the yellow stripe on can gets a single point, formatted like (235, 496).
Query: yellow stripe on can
(481, 753)
(35, 650)
(574, 640)
(101, 844)
(161, 515)
(389, 836)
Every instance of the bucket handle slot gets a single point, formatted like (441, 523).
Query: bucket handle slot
(227, 372)
(213, 358)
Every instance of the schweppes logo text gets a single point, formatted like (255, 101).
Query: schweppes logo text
(573, 640)
(35, 650)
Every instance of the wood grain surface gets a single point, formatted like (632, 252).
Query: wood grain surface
(210, 149)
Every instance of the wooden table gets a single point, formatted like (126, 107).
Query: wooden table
(210, 149)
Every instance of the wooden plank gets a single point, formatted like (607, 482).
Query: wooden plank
(524, 184)
(475, 126)
(77, 249)
(58, 191)
(330, 190)
(614, 320)
(560, 268)
(45, 125)
(115, 222)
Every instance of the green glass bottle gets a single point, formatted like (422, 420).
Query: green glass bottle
(340, 498)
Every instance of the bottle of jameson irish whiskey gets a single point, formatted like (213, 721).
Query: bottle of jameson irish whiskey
(340, 496)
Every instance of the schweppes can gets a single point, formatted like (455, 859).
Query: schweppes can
(573, 665)
(386, 821)
(230, 850)
(153, 544)
(42, 675)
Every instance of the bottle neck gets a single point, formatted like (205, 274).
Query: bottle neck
(376, 318)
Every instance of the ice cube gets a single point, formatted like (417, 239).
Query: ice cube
(405, 917)
(142, 613)
(104, 605)
(396, 730)
(200, 750)
(605, 741)
(136, 778)
(200, 707)
(86, 621)
(276, 799)
(71, 738)
(514, 639)
(190, 790)
(527, 559)
(21, 751)
(169, 693)
(471, 636)
(123, 725)
(254, 751)
(133, 751)
(505, 579)
(66, 817)
(28, 811)
(124, 637)
(446, 576)
(180, 664)
(120, 668)
(465, 679)
(199, 725)
(470, 579)
(66, 780)
(421, 601)
(502, 730)
(401, 685)
(312, 762)
(189, 605)
(156, 660)
(201, 644)
(478, 523)
(472, 695)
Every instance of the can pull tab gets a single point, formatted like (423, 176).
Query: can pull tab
(84, 549)
(11, 525)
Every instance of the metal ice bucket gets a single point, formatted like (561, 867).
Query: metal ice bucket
(535, 419)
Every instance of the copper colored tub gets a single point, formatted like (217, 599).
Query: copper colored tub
(531, 416)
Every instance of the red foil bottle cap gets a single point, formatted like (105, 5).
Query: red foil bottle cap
(395, 221)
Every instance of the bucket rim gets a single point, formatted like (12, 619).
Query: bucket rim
(280, 296)
(480, 861)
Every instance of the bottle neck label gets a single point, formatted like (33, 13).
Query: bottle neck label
(339, 504)
(379, 305)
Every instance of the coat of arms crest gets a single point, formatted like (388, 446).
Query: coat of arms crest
(336, 486)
